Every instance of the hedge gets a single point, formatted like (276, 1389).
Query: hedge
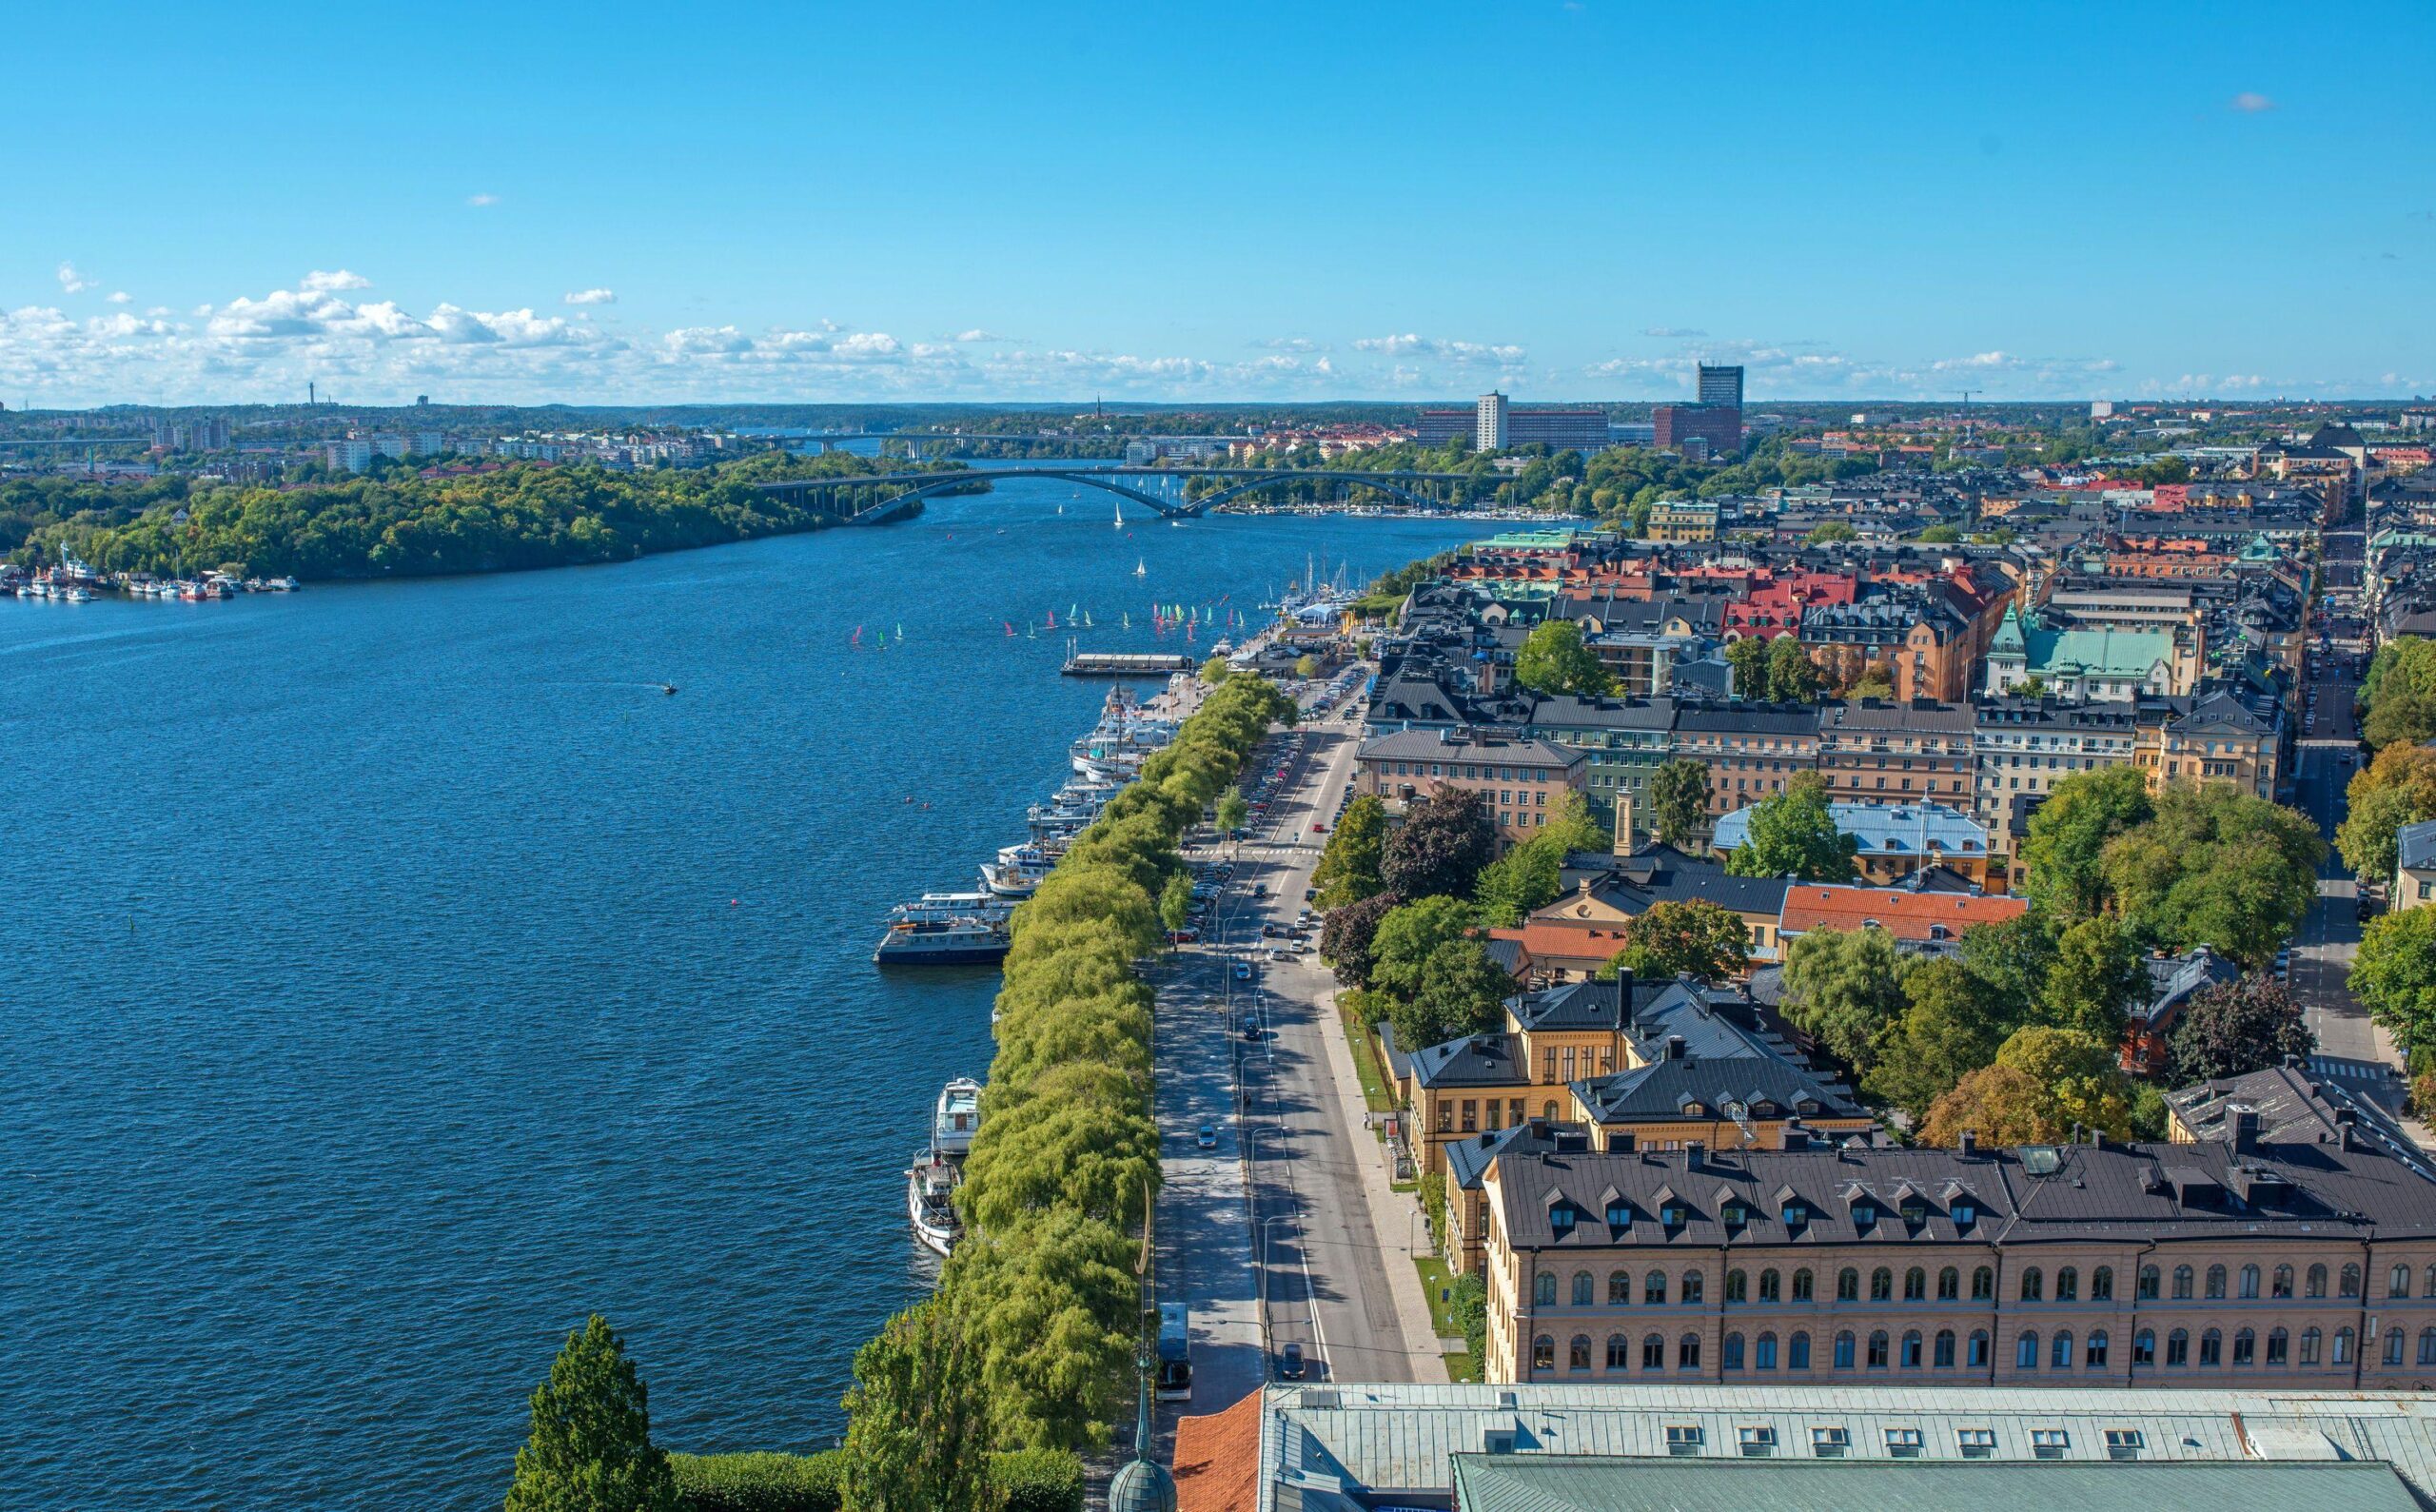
(761, 1483)
(1037, 1480)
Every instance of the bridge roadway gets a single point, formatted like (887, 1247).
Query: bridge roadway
(1120, 481)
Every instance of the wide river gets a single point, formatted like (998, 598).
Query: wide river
(393, 975)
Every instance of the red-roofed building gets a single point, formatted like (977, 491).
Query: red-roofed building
(1217, 1458)
(1923, 920)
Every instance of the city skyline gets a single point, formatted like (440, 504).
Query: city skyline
(1562, 201)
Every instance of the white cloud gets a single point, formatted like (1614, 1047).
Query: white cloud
(1287, 343)
(1672, 332)
(337, 283)
(868, 344)
(591, 296)
(482, 200)
(977, 335)
(1468, 353)
(71, 281)
(122, 297)
(2250, 103)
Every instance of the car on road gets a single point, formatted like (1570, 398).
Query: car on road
(1318, 828)
(1184, 936)
(1206, 1137)
(1280, 954)
(1290, 1362)
(1270, 932)
(1260, 890)
(1310, 894)
(1242, 970)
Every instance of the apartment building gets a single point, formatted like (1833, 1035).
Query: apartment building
(1522, 781)
(1751, 749)
(1874, 751)
(2023, 747)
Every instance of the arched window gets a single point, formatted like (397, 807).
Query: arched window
(2067, 1285)
(2428, 1347)
(2182, 1282)
(2280, 1285)
(1582, 1293)
(1848, 1284)
(1881, 1285)
(1543, 1353)
(1619, 1352)
(1543, 1289)
(1737, 1286)
(2316, 1286)
(2212, 1349)
(2394, 1340)
(1653, 1286)
(2061, 1353)
(2215, 1283)
(1844, 1351)
(1943, 1354)
(1877, 1350)
(1910, 1356)
(1983, 1284)
(2249, 1284)
(2144, 1348)
(2279, 1348)
(1916, 1285)
(2034, 1286)
(2341, 1347)
(1693, 1283)
(1975, 1350)
(1770, 1288)
(2398, 1281)
(2178, 1347)
(1653, 1353)
(2244, 1348)
(1949, 1284)
(2351, 1280)
(1797, 1351)
(1620, 1289)
(1801, 1285)
(1578, 1353)
(1763, 1353)
(2093, 1354)
(2026, 1352)
(2429, 1289)
(2102, 1284)
(2147, 1288)
(2311, 1341)
(1688, 1352)
(1730, 1358)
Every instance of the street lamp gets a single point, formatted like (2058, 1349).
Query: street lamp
(1261, 1267)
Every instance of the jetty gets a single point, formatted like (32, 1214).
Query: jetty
(1127, 663)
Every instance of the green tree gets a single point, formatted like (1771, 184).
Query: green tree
(1873, 682)
(2002, 1105)
(2234, 1028)
(1685, 936)
(1748, 657)
(1233, 809)
(1525, 877)
(1830, 531)
(2096, 976)
(1678, 799)
(1792, 678)
(1175, 902)
(2216, 865)
(1554, 660)
(1939, 535)
(1348, 869)
(1951, 1027)
(1794, 834)
(590, 1447)
(2397, 694)
(1458, 991)
(1215, 670)
(2014, 959)
(2394, 974)
(2079, 1073)
(2398, 788)
(1307, 667)
(2069, 832)
(917, 1425)
(1446, 839)
(1844, 988)
(1407, 936)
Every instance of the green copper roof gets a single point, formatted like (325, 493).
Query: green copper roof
(1870, 1482)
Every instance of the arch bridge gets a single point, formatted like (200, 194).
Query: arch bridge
(852, 497)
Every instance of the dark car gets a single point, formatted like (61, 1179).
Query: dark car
(1290, 1362)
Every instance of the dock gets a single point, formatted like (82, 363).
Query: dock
(1127, 663)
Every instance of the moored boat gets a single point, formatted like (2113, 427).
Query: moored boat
(953, 941)
(957, 1118)
(930, 1201)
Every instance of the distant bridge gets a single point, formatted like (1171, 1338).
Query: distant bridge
(857, 499)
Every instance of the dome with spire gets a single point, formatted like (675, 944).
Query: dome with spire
(1142, 1486)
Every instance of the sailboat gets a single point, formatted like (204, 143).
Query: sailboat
(1120, 514)
(1141, 567)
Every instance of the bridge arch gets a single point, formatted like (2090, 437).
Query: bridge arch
(927, 486)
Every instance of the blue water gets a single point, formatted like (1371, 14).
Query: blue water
(393, 975)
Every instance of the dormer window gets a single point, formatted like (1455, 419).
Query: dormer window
(1735, 1215)
(1560, 1218)
(1864, 1215)
(1965, 1215)
(1670, 1215)
(1619, 1217)
(1795, 1214)
(1915, 1214)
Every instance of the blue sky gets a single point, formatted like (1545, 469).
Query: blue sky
(1564, 200)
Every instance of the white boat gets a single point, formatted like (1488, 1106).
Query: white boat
(957, 1118)
(1141, 567)
(1120, 514)
(1017, 870)
(78, 596)
(930, 1201)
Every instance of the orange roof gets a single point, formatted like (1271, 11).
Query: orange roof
(1565, 940)
(1217, 1460)
(1901, 912)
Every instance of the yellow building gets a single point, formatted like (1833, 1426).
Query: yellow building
(1683, 520)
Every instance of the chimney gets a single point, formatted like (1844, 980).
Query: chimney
(1969, 1143)
(2245, 1127)
(1625, 818)
(1675, 1047)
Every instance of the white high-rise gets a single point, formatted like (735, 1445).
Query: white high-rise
(1488, 425)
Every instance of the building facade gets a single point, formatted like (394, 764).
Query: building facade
(1521, 781)
(1873, 750)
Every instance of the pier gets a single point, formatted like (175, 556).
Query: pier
(1127, 663)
